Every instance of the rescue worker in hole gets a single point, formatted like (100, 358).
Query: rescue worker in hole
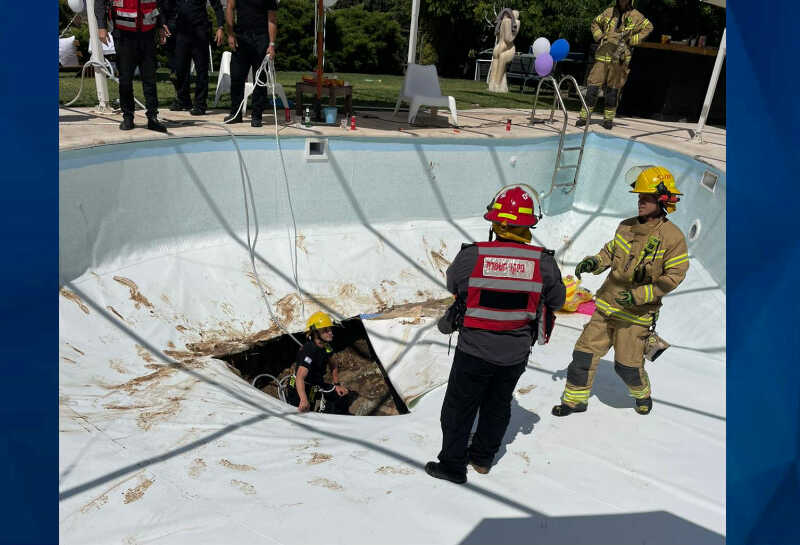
(313, 358)
(648, 258)
(619, 28)
(510, 289)
(137, 26)
(190, 27)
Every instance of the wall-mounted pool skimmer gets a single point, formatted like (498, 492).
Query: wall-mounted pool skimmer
(316, 149)
(709, 180)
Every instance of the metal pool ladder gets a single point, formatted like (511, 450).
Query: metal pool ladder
(568, 186)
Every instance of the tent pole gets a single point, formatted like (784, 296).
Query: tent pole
(712, 86)
(412, 34)
(97, 56)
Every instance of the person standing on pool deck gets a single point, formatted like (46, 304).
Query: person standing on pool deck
(248, 39)
(137, 26)
(648, 258)
(619, 28)
(510, 289)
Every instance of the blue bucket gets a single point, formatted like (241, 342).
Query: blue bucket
(330, 114)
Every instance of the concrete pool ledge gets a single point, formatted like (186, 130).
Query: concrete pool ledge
(82, 128)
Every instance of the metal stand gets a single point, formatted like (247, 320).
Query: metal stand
(567, 187)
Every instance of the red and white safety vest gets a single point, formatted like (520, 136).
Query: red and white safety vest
(134, 15)
(505, 286)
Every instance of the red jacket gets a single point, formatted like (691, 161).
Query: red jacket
(134, 15)
(505, 286)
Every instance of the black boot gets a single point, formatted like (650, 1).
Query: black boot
(580, 122)
(255, 120)
(127, 123)
(644, 406)
(178, 106)
(566, 410)
(230, 119)
(198, 110)
(154, 124)
(608, 124)
(434, 469)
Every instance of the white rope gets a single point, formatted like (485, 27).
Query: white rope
(68, 25)
(104, 67)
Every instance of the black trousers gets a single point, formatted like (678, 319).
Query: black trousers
(169, 50)
(476, 384)
(191, 44)
(136, 49)
(334, 403)
(251, 51)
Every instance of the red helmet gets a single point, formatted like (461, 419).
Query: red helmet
(513, 206)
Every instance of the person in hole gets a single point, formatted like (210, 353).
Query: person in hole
(307, 387)
(510, 289)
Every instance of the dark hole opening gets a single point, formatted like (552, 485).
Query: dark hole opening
(316, 148)
(360, 370)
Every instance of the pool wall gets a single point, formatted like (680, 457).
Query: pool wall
(123, 203)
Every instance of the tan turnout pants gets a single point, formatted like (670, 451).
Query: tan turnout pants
(599, 335)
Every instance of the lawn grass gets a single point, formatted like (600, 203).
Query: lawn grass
(369, 91)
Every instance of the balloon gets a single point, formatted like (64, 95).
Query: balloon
(559, 49)
(544, 64)
(77, 6)
(541, 47)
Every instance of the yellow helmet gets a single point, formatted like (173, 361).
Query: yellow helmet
(319, 320)
(654, 180)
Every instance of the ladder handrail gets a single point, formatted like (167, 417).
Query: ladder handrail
(570, 78)
(557, 97)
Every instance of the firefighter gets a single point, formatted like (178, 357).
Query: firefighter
(308, 383)
(188, 22)
(137, 26)
(510, 288)
(619, 28)
(648, 258)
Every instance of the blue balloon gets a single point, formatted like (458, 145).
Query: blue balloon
(559, 49)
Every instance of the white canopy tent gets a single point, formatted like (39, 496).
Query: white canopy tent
(712, 85)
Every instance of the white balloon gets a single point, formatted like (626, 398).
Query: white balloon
(541, 46)
(77, 6)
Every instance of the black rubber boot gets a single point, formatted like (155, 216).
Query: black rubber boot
(255, 121)
(198, 110)
(434, 469)
(127, 124)
(580, 122)
(566, 410)
(154, 124)
(644, 406)
(230, 119)
(608, 124)
(178, 106)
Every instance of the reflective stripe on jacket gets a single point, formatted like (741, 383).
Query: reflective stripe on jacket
(134, 15)
(650, 260)
(505, 286)
(635, 27)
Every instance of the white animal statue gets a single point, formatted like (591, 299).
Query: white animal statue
(506, 29)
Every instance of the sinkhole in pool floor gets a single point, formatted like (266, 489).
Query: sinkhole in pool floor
(360, 369)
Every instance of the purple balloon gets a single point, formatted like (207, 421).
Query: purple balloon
(544, 64)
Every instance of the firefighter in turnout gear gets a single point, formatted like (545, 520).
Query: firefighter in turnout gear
(648, 258)
(618, 29)
(138, 24)
(510, 289)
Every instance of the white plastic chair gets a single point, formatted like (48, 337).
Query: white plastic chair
(421, 88)
(224, 83)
